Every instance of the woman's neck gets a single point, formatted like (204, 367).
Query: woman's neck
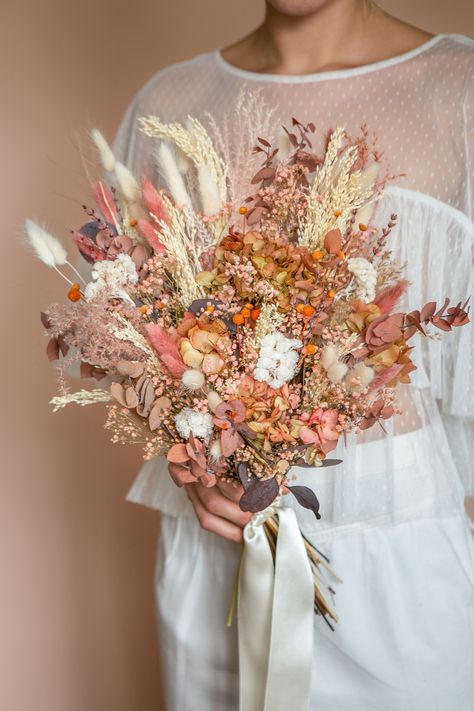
(340, 35)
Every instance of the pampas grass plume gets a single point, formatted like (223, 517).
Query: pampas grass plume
(127, 183)
(171, 175)
(209, 190)
(107, 158)
(46, 247)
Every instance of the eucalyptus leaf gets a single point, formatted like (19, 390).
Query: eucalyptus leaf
(306, 498)
(259, 495)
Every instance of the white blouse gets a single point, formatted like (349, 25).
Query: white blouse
(421, 107)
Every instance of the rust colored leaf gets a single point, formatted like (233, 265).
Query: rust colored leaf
(333, 241)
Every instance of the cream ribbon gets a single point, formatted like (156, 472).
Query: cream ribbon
(275, 617)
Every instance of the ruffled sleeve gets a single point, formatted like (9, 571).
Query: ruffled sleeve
(458, 390)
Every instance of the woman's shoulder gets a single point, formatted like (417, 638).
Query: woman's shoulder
(456, 51)
(178, 83)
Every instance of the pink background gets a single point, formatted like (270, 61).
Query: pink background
(77, 627)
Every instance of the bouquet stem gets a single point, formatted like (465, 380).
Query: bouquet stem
(323, 592)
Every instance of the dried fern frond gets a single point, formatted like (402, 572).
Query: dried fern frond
(81, 397)
(336, 194)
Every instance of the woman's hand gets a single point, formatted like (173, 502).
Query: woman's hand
(218, 510)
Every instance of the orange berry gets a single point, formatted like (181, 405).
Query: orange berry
(255, 314)
(133, 222)
(238, 319)
(143, 309)
(299, 308)
(243, 210)
(331, 293)
(310, 348)
(74, 293)
(249, 306)
(362, 227)
(159, 305)
(337, 213)
(341, 254)
(317, 254)
(210, 308)
(308, 310)
(245, 313)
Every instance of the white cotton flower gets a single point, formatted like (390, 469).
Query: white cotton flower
(199, 423)
(366, 278)
(112, 276)
(278, 359)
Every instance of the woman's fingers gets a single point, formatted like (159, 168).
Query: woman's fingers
(216, 512)
(211, 522)
(232, 490)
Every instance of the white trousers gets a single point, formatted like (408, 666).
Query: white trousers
(405, 641)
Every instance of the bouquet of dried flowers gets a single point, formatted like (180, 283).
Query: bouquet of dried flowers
(240, 339)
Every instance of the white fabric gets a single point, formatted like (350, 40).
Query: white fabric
(275, 617)
(392, 512)
(404, 642)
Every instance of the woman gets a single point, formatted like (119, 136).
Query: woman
(393, 520)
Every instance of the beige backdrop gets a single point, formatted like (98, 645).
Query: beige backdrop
(77, 628)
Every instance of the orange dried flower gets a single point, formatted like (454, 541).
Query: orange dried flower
(310, 349)
(308, 310)
(255, 314)
(238, 319)
(245, 312)
(74, 293)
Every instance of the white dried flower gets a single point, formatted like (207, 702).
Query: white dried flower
(193, 379)
(112, 276)
(213, 400)
(359, 377)
(337, 371)
(278, 359)
(365, 276)
(199, 423)
(329, 356)
(215, 451)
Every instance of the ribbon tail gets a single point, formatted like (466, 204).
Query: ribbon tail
(276, 618)
(256, 584)
(291, 644)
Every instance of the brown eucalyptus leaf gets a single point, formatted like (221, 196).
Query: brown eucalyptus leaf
(156, 413)
(259, 495)
(131, 368)
(131, 397)
(117, 392)
(306, 498)
(263, 174)
(428, 311)
(52, 349)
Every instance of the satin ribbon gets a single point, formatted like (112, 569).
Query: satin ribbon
(275, 617)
